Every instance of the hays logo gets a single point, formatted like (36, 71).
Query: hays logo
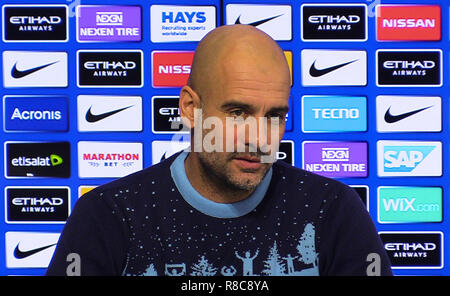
(408, 22)
(108, 159)
(37, 204)
(108, 23)
(37, 159)
(34, 69)
(171, 68)
(35, 113)
(409, 67)
(173, 23)
(334, 114)
(409, 114)
(409, 204)
(109, 113)
(29, 249)
(408, 158)
(274, 20)
(414, 249)
(334, 67)
(35, 23)
(336, 159)
(110, 68)
(166, 115)
(334, 22)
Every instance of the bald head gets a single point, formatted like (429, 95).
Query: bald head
(228, 51)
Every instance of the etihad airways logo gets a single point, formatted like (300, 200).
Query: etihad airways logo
(35, 23)
(328, 22)
(108, 159)
(275, 20)
(408, 22)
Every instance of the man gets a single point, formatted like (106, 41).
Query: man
(195, 212)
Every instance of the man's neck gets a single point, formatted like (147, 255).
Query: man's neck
(209, 186)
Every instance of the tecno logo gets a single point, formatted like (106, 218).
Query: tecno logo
(171, 68)
(408, 22)
(334, 22)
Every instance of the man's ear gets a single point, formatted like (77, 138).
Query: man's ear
(189, 100)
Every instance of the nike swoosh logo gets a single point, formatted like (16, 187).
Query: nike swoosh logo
(389, 118)
(97, 117)
(314, 72)
(24, 254)
(22, 73)
(257, 23)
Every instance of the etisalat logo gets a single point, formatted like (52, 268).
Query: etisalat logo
(51, 160)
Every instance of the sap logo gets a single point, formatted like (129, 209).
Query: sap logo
(410, 246)
(174, 69)
(35, 20)
(400, 204)
(335, 154)
(109, 18)
(37, 201)
(334, 19)
(409, 23)
(183, 17)
(336, 113)
(102, 65)
(409, 64)
(407, 160)
(36, 115)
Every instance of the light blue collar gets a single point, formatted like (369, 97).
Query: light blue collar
(209, 207)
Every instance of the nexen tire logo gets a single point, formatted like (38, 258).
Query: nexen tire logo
(409, 158)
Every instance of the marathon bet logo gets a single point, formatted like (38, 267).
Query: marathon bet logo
(38, 204)
(108, 159)
(35, 23)
(409, 67)
(409, 204)
(173, 23)
(334, 22)
(110, 68)
(414, 249)
(37, 159)
(409, 158)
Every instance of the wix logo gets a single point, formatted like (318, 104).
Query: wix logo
(409, 114)
(409, 158)
(34, 69)
(275, 20)
(109, 113)
(334, 22)
(333, 67)
(409, 67)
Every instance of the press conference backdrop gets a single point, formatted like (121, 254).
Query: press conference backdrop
(90, 94)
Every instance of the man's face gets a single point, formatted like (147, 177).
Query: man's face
(257, 98)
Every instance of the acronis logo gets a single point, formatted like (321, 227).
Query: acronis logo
(183, 17)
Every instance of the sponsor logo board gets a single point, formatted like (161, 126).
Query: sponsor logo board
(171, 68)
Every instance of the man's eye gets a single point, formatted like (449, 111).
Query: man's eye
(237, 113)
(281, 116)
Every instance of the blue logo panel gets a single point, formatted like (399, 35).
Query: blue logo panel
(334, 114)
(35, 113)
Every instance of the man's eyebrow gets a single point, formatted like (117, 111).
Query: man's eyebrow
(235, 104)
(284, 109)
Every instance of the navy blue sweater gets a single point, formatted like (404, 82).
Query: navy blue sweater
(154, 222)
